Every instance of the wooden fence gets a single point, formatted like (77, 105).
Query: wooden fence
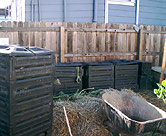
(88, 42)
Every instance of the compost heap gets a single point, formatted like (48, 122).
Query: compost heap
(86, 118)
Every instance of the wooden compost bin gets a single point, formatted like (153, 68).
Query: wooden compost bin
(99, 75)
(68, 77)
(26, 91)
(126, 74)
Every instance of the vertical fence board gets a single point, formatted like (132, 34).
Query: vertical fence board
(128, 40)
(61, 45)
(15, 34)
(84, 49)
(37, 35)
(74, 44)
(79, 42)
(65, 40)
(9, 34)
(96, 44)
(93, 48)
(48, 37)
(69, 41)
(3, 34)
(32, 35)
(26, 35)
(107, 41)
(161, 46)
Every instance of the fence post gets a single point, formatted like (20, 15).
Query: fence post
(164, 62)
(140, 44)
(61, 45)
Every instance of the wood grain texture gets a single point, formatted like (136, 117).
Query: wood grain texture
(88, 42)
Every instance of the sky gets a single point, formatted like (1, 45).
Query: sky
(4, 3)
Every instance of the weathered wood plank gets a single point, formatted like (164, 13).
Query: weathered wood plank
(163, 62)
(84, 49)
(65, 39)
(15, 34)
(48, 37)
(61, 52)
(88, 42)
(9, 34)
(32, 35)
(79, 42)
(74, 43)
(26, 36)
(140, 44)
(43, 24)
(93, 48)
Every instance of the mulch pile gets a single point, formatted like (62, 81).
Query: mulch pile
(86, 118)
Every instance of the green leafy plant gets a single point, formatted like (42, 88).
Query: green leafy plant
(78, 94)
(161, 91)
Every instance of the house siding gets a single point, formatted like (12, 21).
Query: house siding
(121, 14)
(101, 11)
(79, 11)
(152, 12)
(50, 10)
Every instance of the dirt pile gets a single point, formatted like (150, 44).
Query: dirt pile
(86, 118)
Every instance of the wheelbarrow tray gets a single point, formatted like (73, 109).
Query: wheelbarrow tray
(131, 113)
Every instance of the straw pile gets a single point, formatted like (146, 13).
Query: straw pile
(86, 118)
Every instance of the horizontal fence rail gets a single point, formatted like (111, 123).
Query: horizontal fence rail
(88, 42)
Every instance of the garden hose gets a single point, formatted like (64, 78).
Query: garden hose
(57, 82)
(78, 79)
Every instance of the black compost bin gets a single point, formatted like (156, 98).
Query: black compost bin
(145, 78)
(26, 88)
(68, 77)
(126, 74)
(99, 75)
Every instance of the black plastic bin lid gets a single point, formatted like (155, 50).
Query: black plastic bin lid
(141, 61)
(99, 63)
(18, 50)
(67, 64)
(124, 62)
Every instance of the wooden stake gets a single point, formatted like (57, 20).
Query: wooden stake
(61, 51)
(164, 62)
(67, 121)
(140, 44)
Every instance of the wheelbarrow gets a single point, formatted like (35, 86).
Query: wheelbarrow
(132, 115)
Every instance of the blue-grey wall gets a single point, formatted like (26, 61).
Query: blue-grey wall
(50, 10)
(79, 10)
(152, 12)
(121, 14)
(53, 10)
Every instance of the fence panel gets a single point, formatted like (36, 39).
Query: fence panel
(87, 42)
